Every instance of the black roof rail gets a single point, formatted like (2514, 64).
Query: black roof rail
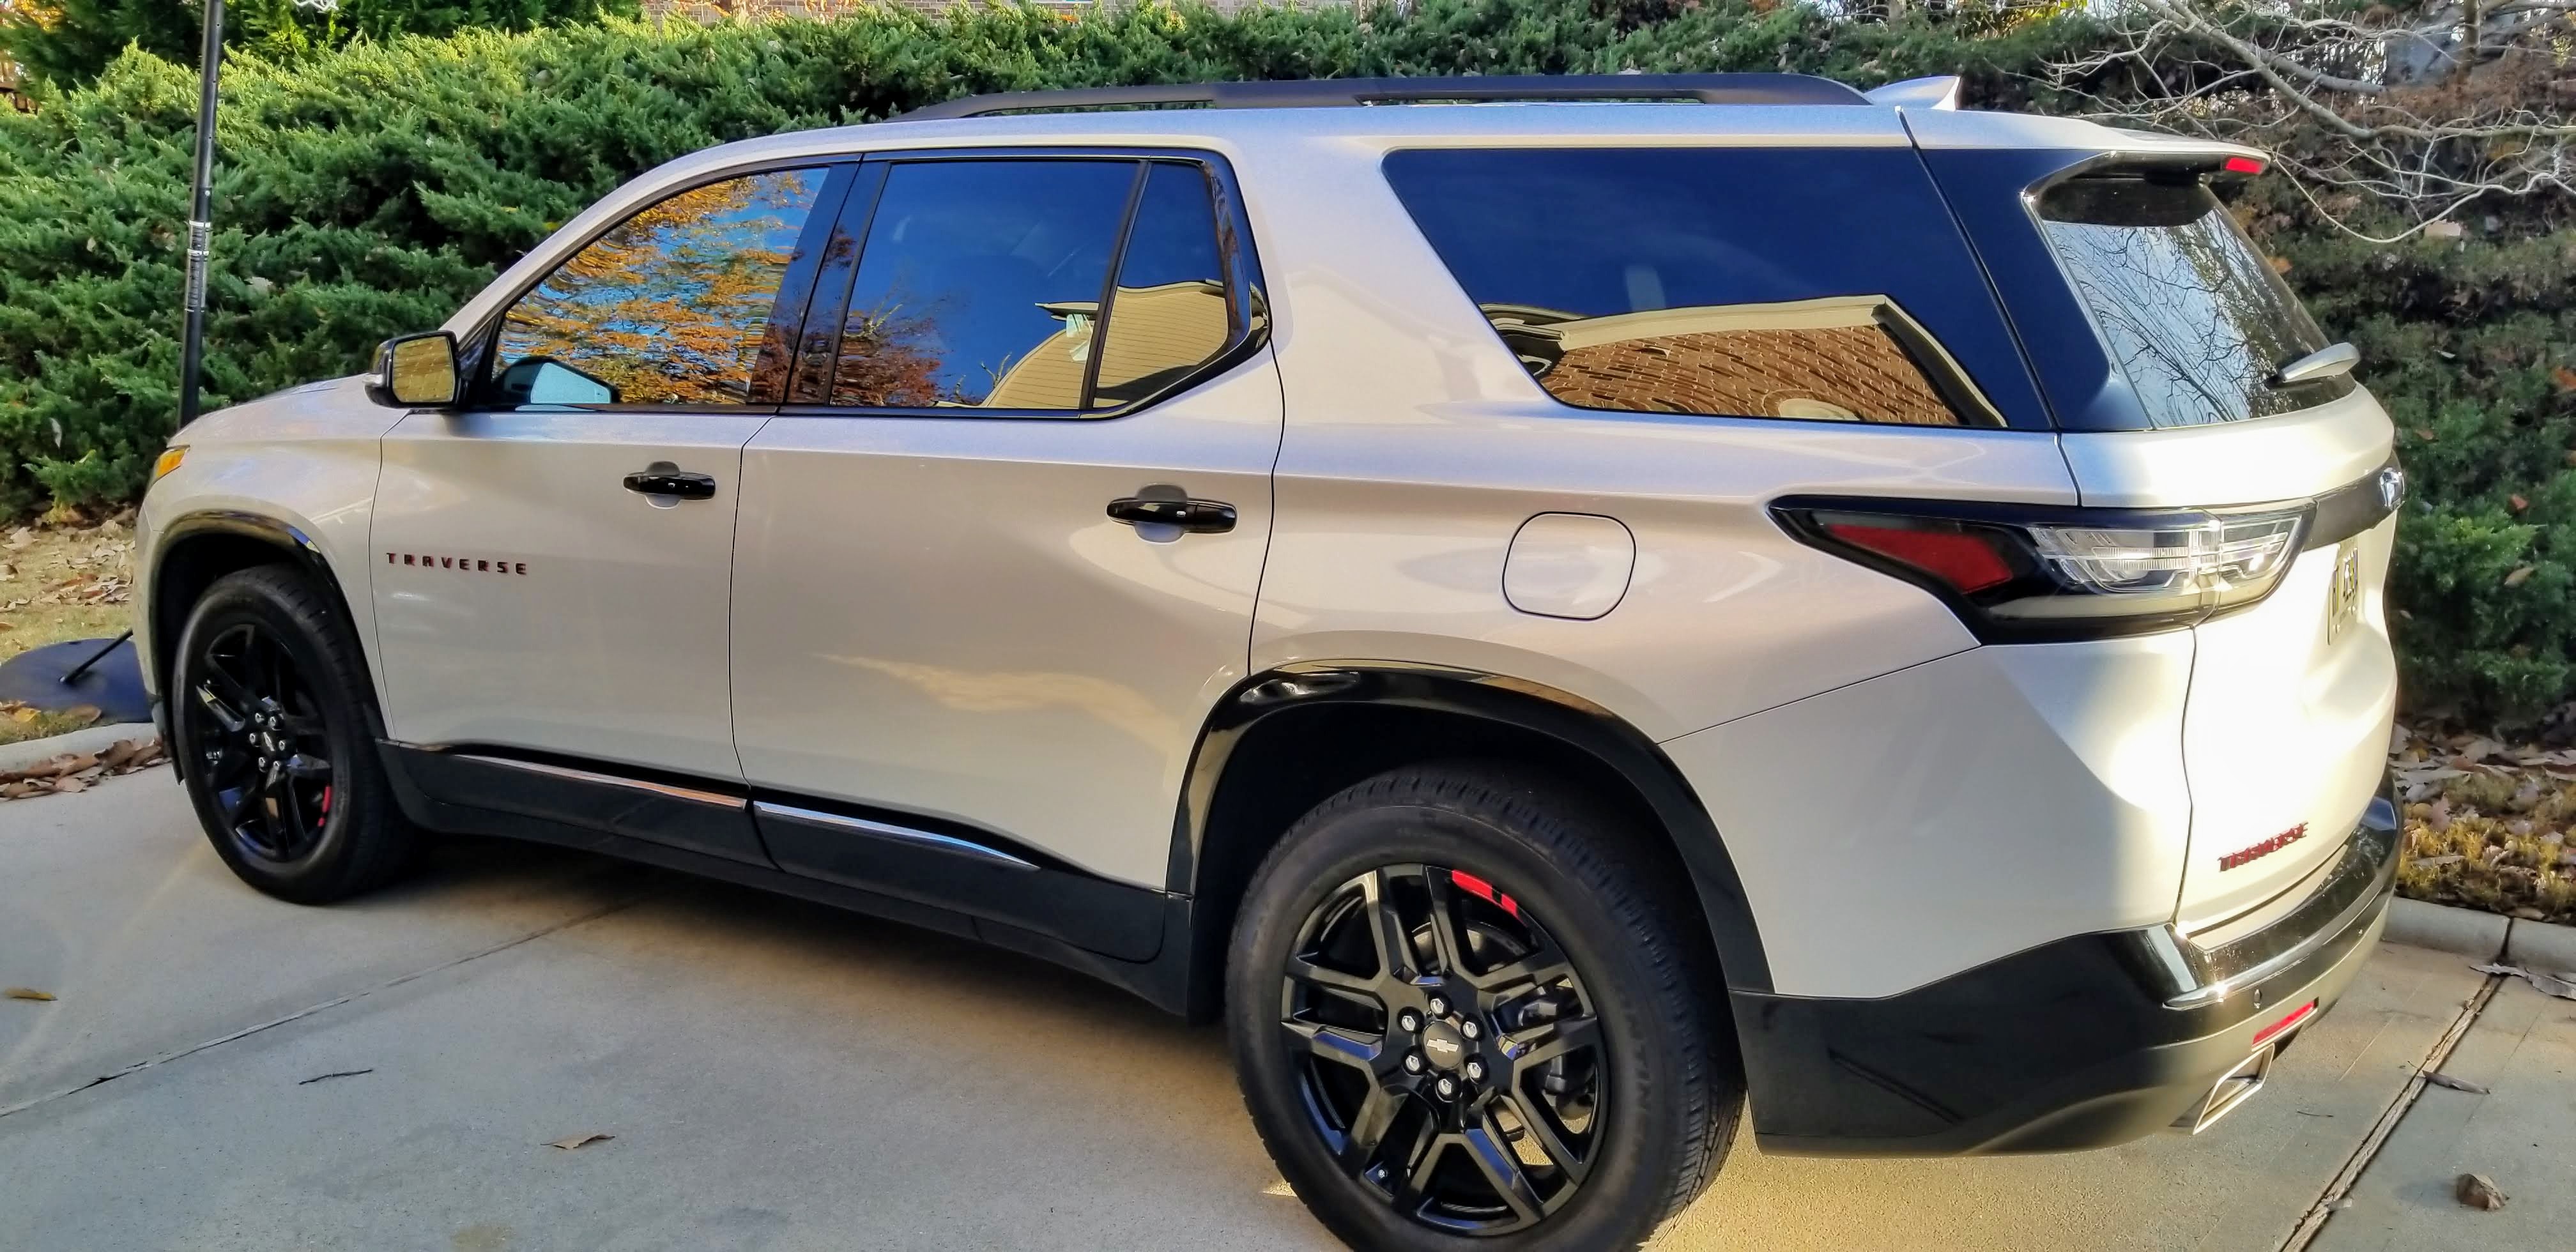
(1326, 92)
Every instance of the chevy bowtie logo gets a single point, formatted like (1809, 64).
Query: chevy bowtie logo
(2265, 848)
(468, 564)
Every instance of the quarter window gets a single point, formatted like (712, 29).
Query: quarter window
(1816, 285)
(1171, 312)
(979, 285)
(670, 306)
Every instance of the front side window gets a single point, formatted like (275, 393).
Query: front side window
(1815, 285)
(670, 306)
(2190, 310)
(979, 284)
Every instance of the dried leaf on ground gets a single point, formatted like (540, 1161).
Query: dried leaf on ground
(2479, 1192)
(25, 993)
(73, 772)
(2562, 986)
(571, 1142)
(2458, 1084)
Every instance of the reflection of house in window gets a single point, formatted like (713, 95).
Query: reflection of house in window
(1838, 359)
(1156, 334)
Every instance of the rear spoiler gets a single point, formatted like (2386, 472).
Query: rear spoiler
(1938, 92)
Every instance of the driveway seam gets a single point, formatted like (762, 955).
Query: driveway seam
(300, 1014)
(2324, 1209)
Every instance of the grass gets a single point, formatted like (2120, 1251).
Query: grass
(58, 583)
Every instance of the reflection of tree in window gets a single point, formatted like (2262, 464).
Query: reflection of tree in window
(671, 306)
(2195, 317)
(979, 282)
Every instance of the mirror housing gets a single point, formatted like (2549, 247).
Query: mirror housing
(415, 371)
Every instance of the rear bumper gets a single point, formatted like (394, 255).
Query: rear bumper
(2082, 1043)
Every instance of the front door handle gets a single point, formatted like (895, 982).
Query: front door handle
(1196, 517)
(665, 481)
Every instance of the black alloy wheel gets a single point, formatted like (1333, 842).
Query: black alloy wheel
(1452, 1061)
(1474, 1006)
(273, 728)
(261, 745)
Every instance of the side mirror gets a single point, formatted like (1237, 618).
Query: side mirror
(415, 371)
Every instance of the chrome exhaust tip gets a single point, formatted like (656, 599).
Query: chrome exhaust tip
(2233, 1088)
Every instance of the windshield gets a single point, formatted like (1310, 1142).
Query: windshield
(2190, 310)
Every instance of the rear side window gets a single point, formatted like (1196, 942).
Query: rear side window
(2188, 308)
(979, 284)
(1811, 284)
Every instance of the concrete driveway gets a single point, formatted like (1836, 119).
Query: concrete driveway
(778, 1075)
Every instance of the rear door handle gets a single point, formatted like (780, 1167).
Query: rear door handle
(672, 482)
(1197, 517)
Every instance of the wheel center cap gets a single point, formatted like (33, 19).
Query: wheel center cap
(1443, 1046)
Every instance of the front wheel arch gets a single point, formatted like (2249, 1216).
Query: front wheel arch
(195, 550)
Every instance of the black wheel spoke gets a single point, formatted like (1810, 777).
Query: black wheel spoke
(1335, 1044)
(1386, 930)
(1540, 1044)
(1448, 947)
(1542, 1133)
(1368, 1130)
(1502, 1169)
(1419, 1167)
(225, 709)
(1544, 965)
(308, 767)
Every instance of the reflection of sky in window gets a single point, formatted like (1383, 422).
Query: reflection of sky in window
(2194, 316)
(960, 256)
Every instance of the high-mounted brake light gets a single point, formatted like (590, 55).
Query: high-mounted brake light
(2042, 572)
(2243, 165)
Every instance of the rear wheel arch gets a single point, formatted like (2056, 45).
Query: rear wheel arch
(1283, 741)
(196, 549)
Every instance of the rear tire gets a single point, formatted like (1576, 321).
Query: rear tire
(1545, 1068)
(273, 726)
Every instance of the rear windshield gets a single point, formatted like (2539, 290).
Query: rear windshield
(2189, 309)
(1809, 285)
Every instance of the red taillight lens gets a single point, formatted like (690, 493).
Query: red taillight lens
(2243, 165)
(2061, 572)
(1966, 560)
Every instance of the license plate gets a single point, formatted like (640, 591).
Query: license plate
(2343, 596)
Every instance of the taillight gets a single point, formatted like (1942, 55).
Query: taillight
(2049, 572)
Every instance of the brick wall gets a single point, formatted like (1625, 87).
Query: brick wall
(1747, 373)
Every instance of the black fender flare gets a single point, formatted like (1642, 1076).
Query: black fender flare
(286, 537)
(1577, 723)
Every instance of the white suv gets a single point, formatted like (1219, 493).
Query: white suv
(1550, 620)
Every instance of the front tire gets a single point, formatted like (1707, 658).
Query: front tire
(1467, 1010)
(273, 726)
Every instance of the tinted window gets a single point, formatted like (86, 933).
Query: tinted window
(1814, 284)
(669, 307)
(979, 284)
(2190, 311)
(1170, 313)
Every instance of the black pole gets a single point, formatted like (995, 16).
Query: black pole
(192, 341)
(95, 658)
